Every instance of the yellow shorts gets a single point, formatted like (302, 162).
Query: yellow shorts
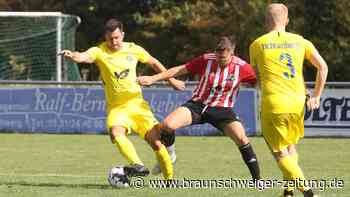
(135, 115)
(282, 129)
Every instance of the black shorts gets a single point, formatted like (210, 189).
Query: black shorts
(219, 117)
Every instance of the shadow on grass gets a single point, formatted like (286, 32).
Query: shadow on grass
(84, 186)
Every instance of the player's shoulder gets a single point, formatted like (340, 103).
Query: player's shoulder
(292, 35)
(261, 38)
(299, 39)
(95, 49)
(237, 60)
(257, 42)
(101, 47)
(131, 46)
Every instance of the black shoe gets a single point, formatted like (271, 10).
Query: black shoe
(136, 170)
(309, 193)
(287, 193)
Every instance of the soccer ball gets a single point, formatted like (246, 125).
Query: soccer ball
(118, 178)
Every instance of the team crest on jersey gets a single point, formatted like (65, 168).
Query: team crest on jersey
(123, 74)
(231, 78)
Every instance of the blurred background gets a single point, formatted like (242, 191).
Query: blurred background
(176, 31)
(41, 92)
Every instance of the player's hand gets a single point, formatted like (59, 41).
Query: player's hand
(177, 84)
(145, 80)
(66, 53)
(312, 103)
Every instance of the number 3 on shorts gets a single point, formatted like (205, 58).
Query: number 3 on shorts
(286, 57)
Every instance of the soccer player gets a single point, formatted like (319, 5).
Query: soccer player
(213, 99)
(126, 108)
(278, 57)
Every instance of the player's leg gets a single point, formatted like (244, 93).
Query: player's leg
(236, 132)
(291, 171)
(298, 127)
(119, 123)
(291, 151)
(162, 155)
(179, 118)
(281, 132)
(187, 114)
(146, 125)
(227, 121)
(272, 138)
(125, 146)
(168, 139)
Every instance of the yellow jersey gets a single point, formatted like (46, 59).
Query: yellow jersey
(118, 71)
(278, 58)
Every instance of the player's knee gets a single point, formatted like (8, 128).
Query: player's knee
(168, 125)
(152, 139)
(237, 134)
(111, 135)
(115, 132)
(280, 154)
(243, 140)
(292, 149)
(156, 145)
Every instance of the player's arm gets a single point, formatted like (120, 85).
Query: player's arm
(247, 75)
(78, 57)
(158, 67)
(321, 77)
(173, 72)
(253, 64)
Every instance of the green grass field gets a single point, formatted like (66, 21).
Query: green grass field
(76, 165)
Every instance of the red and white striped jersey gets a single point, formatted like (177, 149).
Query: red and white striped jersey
(218, 86)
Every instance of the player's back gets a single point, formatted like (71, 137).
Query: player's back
(279, 58)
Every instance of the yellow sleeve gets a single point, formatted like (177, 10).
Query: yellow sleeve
(142, 55)
(252, 55)
(309, 48)
(94, 53)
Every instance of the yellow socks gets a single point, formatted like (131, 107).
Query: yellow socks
(165, 163)
(292, 171)
(127, 149)
(295, 158)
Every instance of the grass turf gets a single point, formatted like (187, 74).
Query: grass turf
(35, 165)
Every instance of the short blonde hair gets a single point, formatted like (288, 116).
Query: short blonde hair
(277, 13)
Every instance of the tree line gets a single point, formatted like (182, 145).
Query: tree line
(176, 31)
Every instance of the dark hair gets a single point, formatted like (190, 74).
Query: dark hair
(226, 42)
(112, 24)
